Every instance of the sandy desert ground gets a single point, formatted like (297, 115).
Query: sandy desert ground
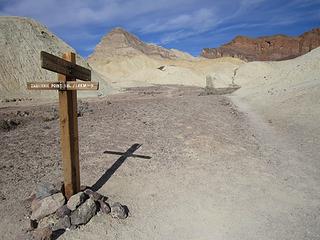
(216, 171)
(240, 166)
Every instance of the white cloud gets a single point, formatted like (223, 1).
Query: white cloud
(175, 36)
(57, 13)
(198, 20)
(167, 20)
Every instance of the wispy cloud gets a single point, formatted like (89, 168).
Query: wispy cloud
(182, 26)
(169, 22)
(175, 36)
(201, 19)
(77, 13)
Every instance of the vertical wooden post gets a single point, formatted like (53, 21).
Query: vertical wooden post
(69, 134)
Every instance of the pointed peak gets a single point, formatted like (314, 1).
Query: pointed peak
(118, 30)
(121, 31)
(120, 42)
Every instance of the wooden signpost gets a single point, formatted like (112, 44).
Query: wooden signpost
(68, 71)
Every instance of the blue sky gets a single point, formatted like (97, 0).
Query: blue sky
(187, 25)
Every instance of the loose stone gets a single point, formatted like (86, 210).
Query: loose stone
(62, 224)
(104, 207)
(45, 189)
(84, 212)
(48, 221)
(76, 200)
(63, 211)
(46, 206)
(93, 195)
(118, 211)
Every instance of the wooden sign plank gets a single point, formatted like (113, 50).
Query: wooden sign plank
(70, 85)
(69, 134)
(59, 65)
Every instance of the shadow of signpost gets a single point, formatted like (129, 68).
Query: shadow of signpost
(124, 155)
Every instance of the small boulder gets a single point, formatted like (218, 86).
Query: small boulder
(62, 224)
(46, 189)
(95, 196)
(75, 200)
(48, 221)
(104, 207)
(42, 234)
(119, 211)
(84, 212)
(47, 206)
(63, 211)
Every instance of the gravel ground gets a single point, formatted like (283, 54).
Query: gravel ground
(213, 172)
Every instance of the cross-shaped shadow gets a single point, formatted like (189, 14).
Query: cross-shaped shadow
(107, 175)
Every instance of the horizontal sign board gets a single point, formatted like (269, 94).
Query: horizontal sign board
(59, 65)
(71, 85)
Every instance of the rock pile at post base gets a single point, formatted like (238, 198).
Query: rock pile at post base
(51, 212)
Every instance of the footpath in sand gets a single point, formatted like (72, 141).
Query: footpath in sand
(210, 175)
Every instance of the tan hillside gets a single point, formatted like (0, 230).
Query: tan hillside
(128, 61)
(286, 94)
(21, 41)
(119, 42)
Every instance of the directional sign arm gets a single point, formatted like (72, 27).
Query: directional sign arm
(59, 65)
(69, 85)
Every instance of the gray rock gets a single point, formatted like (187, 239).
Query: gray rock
(118, 211)
(84, 212)
(63, 211)
(75, 200)
(47, 206)
(55, 223)
(42, 234)
(48, 221)
(62, 224)
(104, 207)
(93, 195)
(45, 189)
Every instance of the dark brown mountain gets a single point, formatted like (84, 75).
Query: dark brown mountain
(270, 48)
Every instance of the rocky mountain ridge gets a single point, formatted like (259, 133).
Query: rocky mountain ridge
(269, 48)
(119, 42)
(128, 61)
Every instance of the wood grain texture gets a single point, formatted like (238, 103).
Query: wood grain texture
(69, 134)
(59, 65)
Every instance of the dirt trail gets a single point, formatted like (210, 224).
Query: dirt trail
(214, 172)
